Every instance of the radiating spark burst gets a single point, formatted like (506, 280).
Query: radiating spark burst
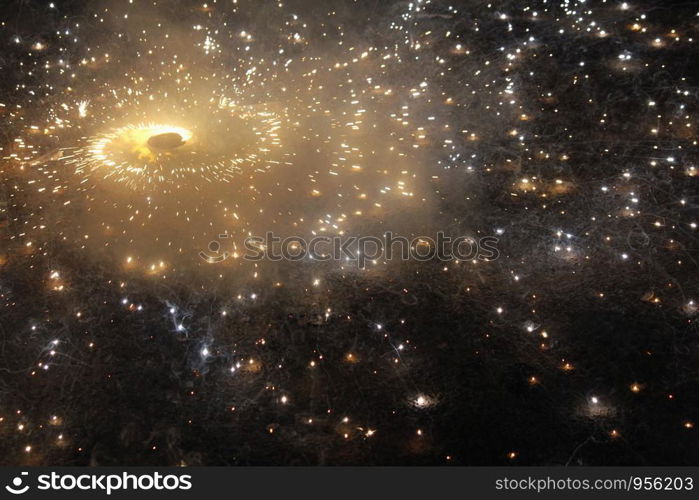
(82, 108)
(158, 156)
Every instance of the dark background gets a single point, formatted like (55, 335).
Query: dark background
(143, 394)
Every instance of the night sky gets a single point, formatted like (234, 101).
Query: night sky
(138, 133)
